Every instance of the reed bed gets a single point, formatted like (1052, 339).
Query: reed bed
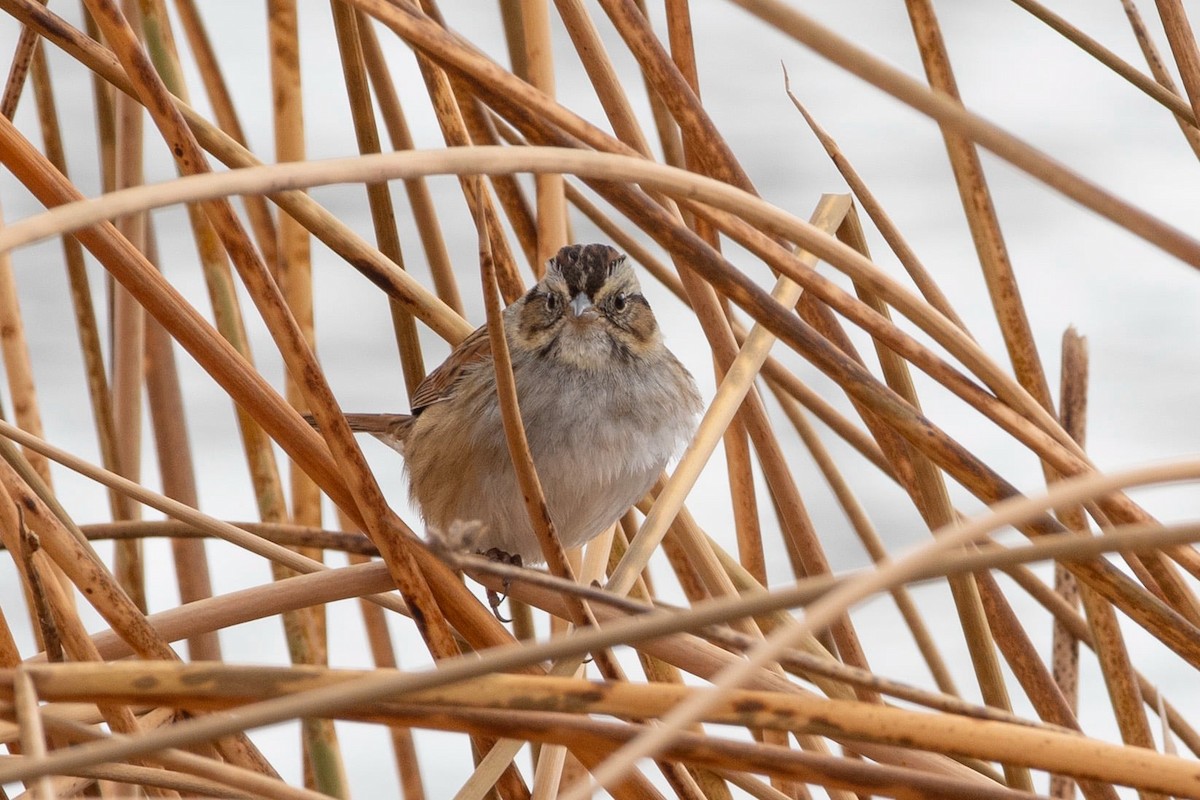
(685, 653)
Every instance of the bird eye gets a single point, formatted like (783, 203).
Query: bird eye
(619, 302)
(553, 302)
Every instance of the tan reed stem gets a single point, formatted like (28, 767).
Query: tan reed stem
(168, 419)
(424, 213)
(81, 295)
(1064, 648)
(1008, 147)
(166, 684)
(305, 630)
(217, 90)
(1159, 91)
(127, 333)
(383, 214)
(539, 61)
(1160, 73)
(865, 530)
(33, 737)
(18, 69)
(926, 485)
(916, 270)
(174, 451)
(1182, 40)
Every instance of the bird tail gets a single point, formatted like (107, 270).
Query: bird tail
(391, 429)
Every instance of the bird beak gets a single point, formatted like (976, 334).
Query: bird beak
(580, 304)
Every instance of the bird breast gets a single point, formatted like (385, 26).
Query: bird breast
(598, 439)
(603, 425)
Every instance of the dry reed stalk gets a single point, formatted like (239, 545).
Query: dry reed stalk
(1187, 123)
(165, 395)
(916, 270)
(1001, 281)
(303, 629)
(324, 769)
(1183, 46)
(424, 213)
(17, 365)
(174, 452)
(453, 115)
(211, 687)
(128, 340)
(539, 65)
(294, 535)
(736, 435)
(857, 61)
(384, 656)
(867, 534)
(18, 70)
(217, 90)
(1161, 92)
(671, 86)
(829, 608)
(1064, 647)
(81, 295)
(29, 720)
(383, 215)
(930, 495)
(925, 483)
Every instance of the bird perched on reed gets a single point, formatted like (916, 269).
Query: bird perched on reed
(604, 402)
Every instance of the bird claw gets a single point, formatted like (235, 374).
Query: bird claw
(494, 597)
(494, 600)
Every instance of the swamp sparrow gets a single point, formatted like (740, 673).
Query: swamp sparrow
(605, 406)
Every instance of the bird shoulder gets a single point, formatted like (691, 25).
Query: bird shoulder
(439, 384)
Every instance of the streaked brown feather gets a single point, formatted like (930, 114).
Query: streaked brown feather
(394, 425)
(391, 429)
(439, 385)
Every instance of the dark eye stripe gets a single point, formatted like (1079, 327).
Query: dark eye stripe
(540, 312)
(631, 299)
(625, 322)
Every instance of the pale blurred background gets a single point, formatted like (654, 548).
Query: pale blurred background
(1136, 305)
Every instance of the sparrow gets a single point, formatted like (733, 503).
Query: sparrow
(605, 405)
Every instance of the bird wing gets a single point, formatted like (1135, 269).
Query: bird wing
(439, 385)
